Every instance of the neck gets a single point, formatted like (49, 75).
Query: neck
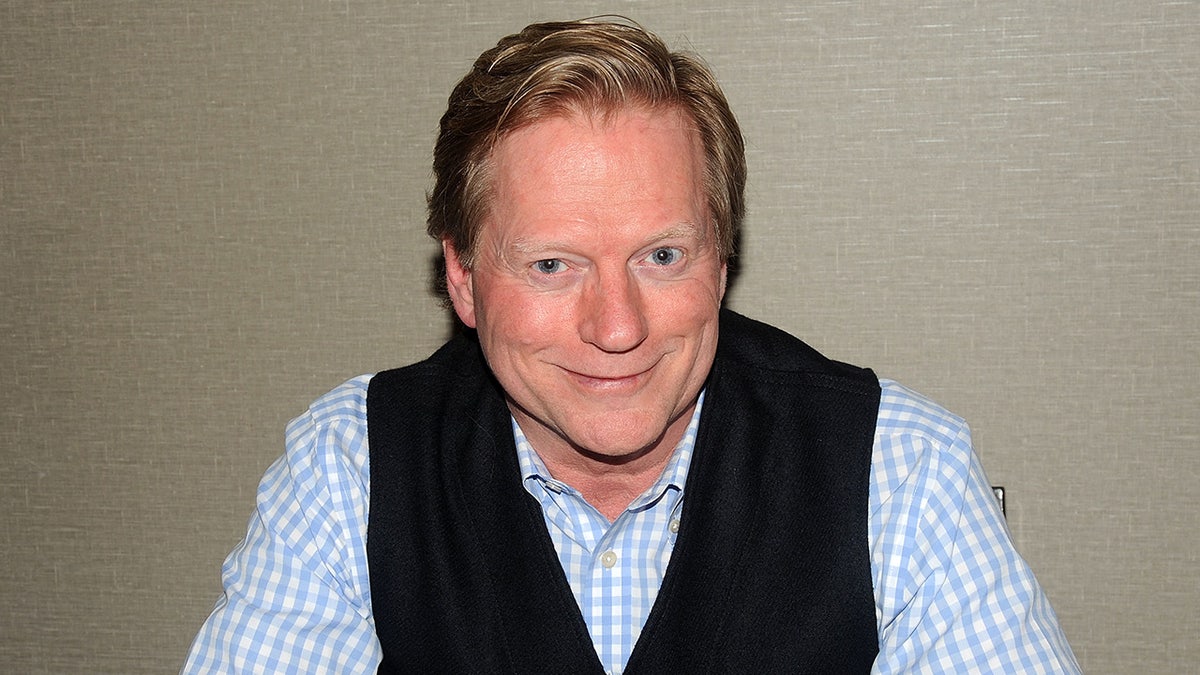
(608, 483)
(610, 489)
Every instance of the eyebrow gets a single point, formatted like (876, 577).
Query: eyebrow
(525, 246)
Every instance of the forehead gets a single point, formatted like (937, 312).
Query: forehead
(580, 121)
(630, 158)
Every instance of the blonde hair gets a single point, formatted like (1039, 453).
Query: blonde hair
(562, 68)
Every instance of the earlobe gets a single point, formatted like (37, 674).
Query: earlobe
(459, 285)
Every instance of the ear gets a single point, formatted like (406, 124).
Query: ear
(459, 284)
(724, 281)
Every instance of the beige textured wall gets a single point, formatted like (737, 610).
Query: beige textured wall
(212, 213)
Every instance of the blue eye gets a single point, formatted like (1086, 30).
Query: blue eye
(665, 256)
(549, 266)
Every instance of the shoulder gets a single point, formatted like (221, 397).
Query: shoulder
(338, 418)
(328, 440)
(347, 401)
(343, 407)
(305, 541)
(315, 497)
(904, 411)
(950, 586)
(425, 384)
(921, 449)
(766, 353)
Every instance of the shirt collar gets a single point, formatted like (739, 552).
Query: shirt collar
(674, 474)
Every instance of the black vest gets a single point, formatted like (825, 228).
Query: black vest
(770, 572)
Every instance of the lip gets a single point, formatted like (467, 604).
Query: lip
(608, 383)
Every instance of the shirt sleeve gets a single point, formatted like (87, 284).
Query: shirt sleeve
(952, 593)
(296, 590)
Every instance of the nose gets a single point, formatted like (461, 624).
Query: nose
(613, 317)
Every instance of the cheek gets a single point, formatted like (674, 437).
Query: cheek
(516, 318)
(692, 305)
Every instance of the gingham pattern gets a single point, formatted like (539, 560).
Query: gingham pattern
(297, 597)
(615, 599)
(952, 595)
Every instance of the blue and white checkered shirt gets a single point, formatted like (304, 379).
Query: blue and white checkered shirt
(951, 593)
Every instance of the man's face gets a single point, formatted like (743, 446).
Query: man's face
(596, 284)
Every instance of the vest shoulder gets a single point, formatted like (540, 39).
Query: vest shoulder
(459, 357)
(455, 378)
(766, 350)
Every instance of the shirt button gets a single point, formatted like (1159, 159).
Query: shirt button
(608, 559)
(674, 526)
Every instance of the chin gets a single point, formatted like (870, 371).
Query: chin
(622, 436)
(614, 453)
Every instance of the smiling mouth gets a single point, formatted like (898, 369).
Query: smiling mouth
(609, 383)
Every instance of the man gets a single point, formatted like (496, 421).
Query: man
(608, 472)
